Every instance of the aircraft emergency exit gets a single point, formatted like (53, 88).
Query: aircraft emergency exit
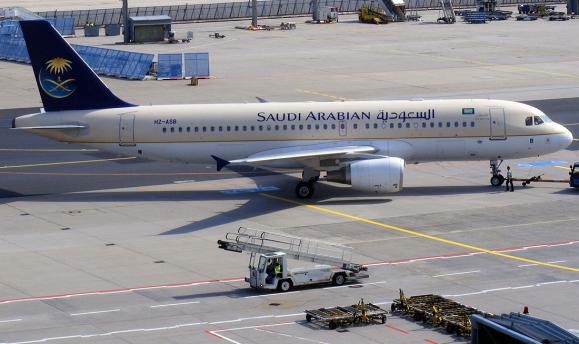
(365, 144)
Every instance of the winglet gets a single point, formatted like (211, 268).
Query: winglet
(221, 163)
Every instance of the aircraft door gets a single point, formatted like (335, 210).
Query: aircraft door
(498, 124)
(127, 130)
(343, 128)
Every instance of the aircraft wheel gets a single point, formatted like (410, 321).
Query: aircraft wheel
(497, 180)
(304, 190)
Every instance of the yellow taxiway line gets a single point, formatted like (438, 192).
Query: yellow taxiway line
(67, 163)
(417, 234)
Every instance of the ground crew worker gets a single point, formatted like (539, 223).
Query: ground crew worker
(277, 268)
(509, 179)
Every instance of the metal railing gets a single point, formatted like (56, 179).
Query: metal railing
(242, 10)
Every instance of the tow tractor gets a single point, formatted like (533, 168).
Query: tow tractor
(573, 178)
(270, 252)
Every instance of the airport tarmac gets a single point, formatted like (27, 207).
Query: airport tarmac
(124, 251)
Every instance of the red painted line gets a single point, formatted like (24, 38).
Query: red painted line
(430, 341)
(223, 280)
(212, 334)
(397, 329)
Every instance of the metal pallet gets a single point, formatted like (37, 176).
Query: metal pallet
(361, 313)
(438, 311)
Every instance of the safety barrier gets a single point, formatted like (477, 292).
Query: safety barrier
(177, 66)
(240, 10)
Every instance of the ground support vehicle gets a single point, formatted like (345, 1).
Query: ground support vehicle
(438, 311)
(573, 178)
(270, 252)
(360, 313)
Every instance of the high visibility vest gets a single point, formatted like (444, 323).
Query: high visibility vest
(277, 268)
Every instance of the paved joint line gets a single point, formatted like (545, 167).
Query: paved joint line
(417, 234)
(175, 304)
(95, 312)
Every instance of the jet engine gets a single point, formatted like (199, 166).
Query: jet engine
(384, 175)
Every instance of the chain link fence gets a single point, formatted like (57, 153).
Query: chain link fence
(241, 10)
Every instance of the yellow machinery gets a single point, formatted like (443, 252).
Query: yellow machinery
(373, 15)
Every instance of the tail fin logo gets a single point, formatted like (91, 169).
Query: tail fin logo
(55, 79)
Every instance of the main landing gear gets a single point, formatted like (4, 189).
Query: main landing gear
(305, 188)
(497, 178)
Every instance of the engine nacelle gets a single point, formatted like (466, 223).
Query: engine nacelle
(380, 176)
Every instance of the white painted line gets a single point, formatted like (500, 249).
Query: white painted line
(97, 312)
(175, 304)
(290, 315)
(9, 321)
(524, 287)
(223, 337)
(256, 326)
(354, 285)
(108, 334)
(290, 336)
(547, 283)
(574, 281)
(241, 319)
(268, 295)
(458, 273)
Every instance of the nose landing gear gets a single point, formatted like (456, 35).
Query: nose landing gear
(497, 178)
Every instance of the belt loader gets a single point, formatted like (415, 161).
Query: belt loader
(270, 252)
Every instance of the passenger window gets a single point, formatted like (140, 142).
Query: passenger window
(164, 130)
(245, 128)
(260, 128)
(301, 127)
(172, 130)
(204, 129)
(309, 126)
(456, 124)
(180, 129)
(236, 128)
(448, 124)
(464, 124)
(424, 124)
(196, 129)
(432, 124)
(529, 121)
(391, 125)
(285, 127)
(333, 126)
(188, 129)
(252, 128)
(440, 124)
(325, 126)
(367, 125)
(375, 125)
(355, 126)
(293, 127)
(399, 125)
(472, 124)
(538, 120)
(228, 128)
(416, 125)
(220, 128)
(276, 127)
(268, 127)
(212, 128)
(317, 127)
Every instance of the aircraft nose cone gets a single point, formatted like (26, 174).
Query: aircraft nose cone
(567, 138)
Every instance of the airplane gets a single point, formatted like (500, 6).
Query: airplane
(365, 144)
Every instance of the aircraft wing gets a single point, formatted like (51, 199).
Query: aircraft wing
(296, 153)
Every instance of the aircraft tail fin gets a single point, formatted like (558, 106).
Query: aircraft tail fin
(64, 79)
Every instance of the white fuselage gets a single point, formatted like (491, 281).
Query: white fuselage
(416, 131)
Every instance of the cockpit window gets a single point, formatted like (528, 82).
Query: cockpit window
(538, 120)
(529, 121)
